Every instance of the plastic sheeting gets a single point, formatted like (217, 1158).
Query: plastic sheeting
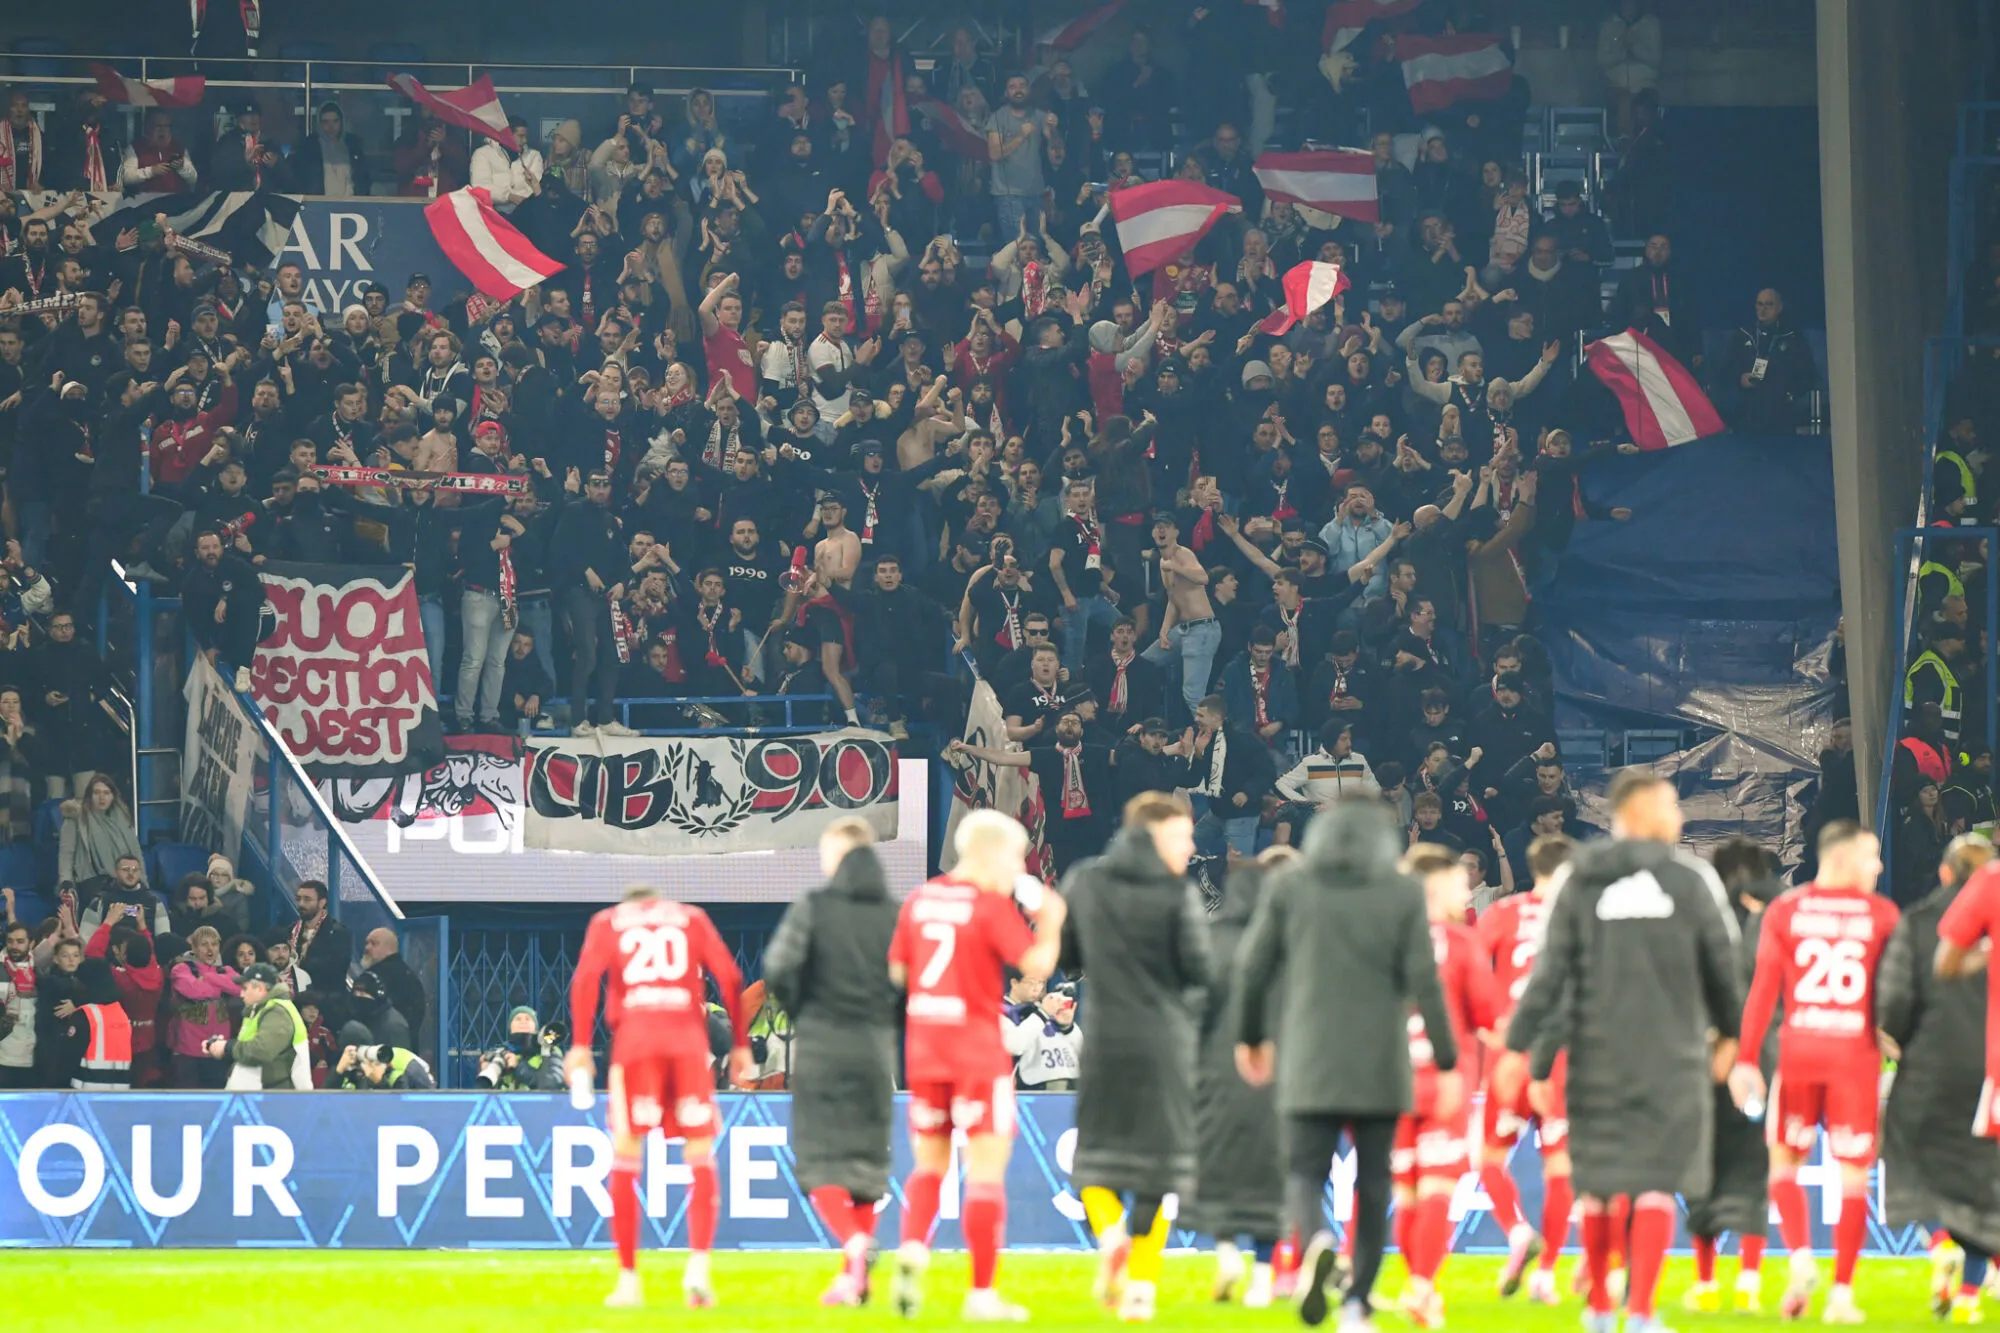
(1713, 608)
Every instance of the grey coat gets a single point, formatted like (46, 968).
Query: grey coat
(1240, 1180)
(1137, 931)
(1937, 1171)
(1738, 1197)
(1639, 964)
(828, 967)
(1340, 948)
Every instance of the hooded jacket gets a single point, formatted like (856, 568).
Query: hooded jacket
(1343, 935)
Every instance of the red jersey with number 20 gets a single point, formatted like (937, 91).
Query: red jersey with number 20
(1817, 951)
(955, 943)
(655, 953)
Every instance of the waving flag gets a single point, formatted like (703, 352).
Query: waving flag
(251, 225)
(1068, 36)
(170, 94)
(485, 247)
(1330, 180)
(1663, 405)
(1458, 67)
(1308, 286)
(475, 107)
(1157, 222)
(952, 130)
(1346, 18)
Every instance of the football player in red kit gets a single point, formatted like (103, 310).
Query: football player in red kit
(1510, 935)
(1818, 951)
(1430, 1152)
(658, 957)
(955, 938)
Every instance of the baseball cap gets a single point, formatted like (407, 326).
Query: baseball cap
(1154, 726)
(418, 277)
(1315, 544)
(866, 447)
(261, 972)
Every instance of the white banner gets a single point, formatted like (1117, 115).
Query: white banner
(653, 797)
(983, 786)
(218, 763)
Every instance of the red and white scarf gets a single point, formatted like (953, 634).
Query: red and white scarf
(846, 286)
(510, 611)
(1260, 692)
(1075, 800)
(1290, 620)
(1093, 549)
(95, 178)
(621, 629)
(710, 617)
(1010, 628)
(1119, 665)
(1034, 289)
(21, 975)
(869, 511)
(15, 173)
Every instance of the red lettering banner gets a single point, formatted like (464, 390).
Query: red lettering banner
(344, 677)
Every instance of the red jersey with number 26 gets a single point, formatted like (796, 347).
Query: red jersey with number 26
(655, 953)
(1817, 952)
(955, 943)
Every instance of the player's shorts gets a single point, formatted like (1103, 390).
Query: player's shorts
(971, 1105)
(1849, 1108)
(671, 1092)
(1503, 1121)
(1426, 1144)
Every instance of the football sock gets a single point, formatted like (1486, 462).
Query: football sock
(1848, 1233)
(862, 1215)
(1430, 1234)
(1652, 1231)
(836, 1208)
(1704, 1258)
(625, 1211)
(1104, 1209)
(1597, 1254)
(1401, 1224)
(1500, 1188)
(984, 1220)
(1621, 1229)
(1790, 1200)
(704, 1206)
(1144, 1265)
(920, 1205)
(1557, 1200)
(1750, 1251)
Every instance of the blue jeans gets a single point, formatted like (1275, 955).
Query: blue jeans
(538, 617)
(1010, 209)
(1195, 646)
(482, 655)
(430, 614)
(1216, 833)
(1076, 629)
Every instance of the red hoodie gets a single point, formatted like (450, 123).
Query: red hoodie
(138, 989)
(179, 446)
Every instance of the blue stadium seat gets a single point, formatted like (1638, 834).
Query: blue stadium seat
(1583, 750)
(48, 842)
(1646, 747)
(172, 861)
(17, 872)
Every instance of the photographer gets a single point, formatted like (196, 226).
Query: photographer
(531, 1061)
(1046, 1044)
(270, 1050)
(382, 1069)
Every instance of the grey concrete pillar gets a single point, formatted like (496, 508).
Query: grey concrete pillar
(1889, 80)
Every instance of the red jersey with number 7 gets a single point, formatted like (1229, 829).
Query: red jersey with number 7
(956, 943)
(1817, 952)
(658, 956)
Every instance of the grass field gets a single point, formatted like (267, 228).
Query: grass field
(437, 1292)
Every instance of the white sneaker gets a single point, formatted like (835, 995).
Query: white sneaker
(1542, 1287)
(1114, 1251)
(628, 1294)
(243, 680)
(1261, 1292)
(583, 729)
(906, 1289)
(1802, 1282)
(696, 1288)
(1841, 1309)
(1524, 1246)
(984, 1306)
(614, 728)
(1230, 1269)
(1355, 1318)
(1136, 1305)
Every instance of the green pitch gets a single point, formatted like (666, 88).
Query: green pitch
(434, 1292)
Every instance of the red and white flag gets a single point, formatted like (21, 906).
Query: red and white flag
(1663, 405)
(1346, 18)
(1458, 67)
(1308, 286)
(1160, 221)
(475, 107)
(170, 94)
(1330, 180)
(1068, 36)
(485, 247)
(951, 129)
